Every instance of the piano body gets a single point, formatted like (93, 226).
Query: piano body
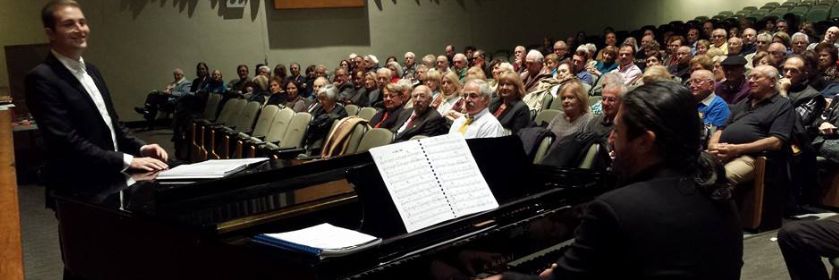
(159, 230)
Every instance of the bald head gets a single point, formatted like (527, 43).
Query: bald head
(749, 36)
(701, 84)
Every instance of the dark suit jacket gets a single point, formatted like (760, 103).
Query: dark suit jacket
(388, 123)
(660, 227)
(431, 123)
(515, 117)
(77, 139)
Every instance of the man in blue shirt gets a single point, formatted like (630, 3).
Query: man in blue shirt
(712, 109)
(579, 59)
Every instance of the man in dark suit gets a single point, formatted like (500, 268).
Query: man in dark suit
(420, 120)
(392, 100)
(74, 110)
(674, 218)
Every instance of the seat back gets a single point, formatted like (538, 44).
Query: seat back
(245, 119)
(352, 109)
(542, 150)
(263, 123)
(296, 131)
(374, 138)
(546, 116)
(212, 106)
(230, 110)
(548, 99)
(279, 125)
(367, 113)
(588, 159)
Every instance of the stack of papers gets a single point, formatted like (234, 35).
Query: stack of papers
(323, 240)
(210, 169)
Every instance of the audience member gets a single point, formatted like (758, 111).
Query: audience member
(293, 99)
(508, 108)
(575, 114)
(442, 64)
(735, 88)
(518, 58)
(449, 102)
(719, 41)
(202, 77)
(800, 41)
(533, 74)
(627, 68)
(681, 66)
(239, 86)
(164, 100)
(735, 46)
(712, 109)
(421, 120)
(392, 100)
(460, 65)
(804, 243)
(749, 40)
(607, 64)
(579, 60)
(762, 122)
(477, 122)
(359, 93)
(326, 113)
(409, 69)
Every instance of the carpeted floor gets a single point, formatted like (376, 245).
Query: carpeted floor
(42, 258)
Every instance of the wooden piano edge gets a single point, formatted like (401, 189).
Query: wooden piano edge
(285, 213)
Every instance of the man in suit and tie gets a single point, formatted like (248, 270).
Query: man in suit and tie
(74, 110)
(420, 120)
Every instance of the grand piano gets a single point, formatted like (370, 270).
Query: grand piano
(112, 228)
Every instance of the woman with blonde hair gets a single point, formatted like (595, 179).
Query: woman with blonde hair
(448, 103)
(653, 73)
(576, 113)
(702, 47)
(432, 81)
(508, 108)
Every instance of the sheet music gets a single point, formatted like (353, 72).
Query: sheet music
(412, 185)
(215, 168)
(433, 180)
(465, 186)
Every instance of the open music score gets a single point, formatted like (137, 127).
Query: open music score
(433, 180)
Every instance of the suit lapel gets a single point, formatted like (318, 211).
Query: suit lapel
(65, 74)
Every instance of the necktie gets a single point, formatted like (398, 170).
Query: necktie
(384, 117)
(411, 121)
(465, 125)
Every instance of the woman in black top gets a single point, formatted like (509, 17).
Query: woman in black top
(508, 108)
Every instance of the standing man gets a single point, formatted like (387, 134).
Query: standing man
(73, 107)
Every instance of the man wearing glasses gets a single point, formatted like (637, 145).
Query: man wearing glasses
(477, 122)
(719, 40)
(712, 109)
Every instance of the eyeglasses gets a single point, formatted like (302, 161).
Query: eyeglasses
(697, 81)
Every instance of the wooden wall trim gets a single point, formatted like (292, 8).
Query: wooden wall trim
(11, 256)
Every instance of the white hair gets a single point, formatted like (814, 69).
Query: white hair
(330, 91)
(483, 87)
(411, 54)
(405, 84)
(373, 59)
(506, 66)
(799, 34)
(592, 49)
(353, 56)
(535, 56)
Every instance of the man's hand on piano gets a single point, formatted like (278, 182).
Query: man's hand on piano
(546, 274)
(147, 164)
(155, 151)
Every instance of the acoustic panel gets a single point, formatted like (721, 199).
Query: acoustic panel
(317, 4)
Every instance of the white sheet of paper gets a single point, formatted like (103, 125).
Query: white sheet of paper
(325, 236)
(214, 168)
(433, 180)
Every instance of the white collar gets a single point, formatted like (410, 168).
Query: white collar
(479, 114)
(69, 63)
(708, 99)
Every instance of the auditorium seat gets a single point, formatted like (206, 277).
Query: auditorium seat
(352, 109)
(374, 138)
(367, 113)
(260, 129)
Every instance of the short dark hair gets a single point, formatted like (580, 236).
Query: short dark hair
(830, 48)
(667, 109)
(48, 11)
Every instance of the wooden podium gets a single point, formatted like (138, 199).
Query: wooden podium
(11, 257)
